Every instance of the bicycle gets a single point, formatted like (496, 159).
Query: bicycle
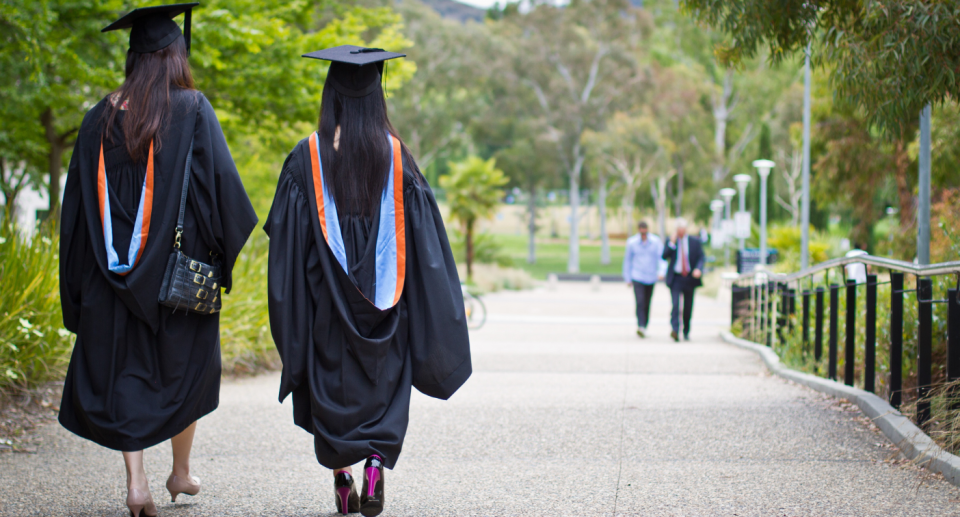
(476, 310)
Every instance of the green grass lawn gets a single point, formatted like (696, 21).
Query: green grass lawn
(552, 256)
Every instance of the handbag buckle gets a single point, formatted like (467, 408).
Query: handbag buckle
(194, 266)
(199, 307)
(201, 292)
(198, 279)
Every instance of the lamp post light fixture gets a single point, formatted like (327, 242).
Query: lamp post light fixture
(715, 206)
(727, 195)
(763, 169)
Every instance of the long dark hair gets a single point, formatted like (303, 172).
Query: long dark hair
(357, 170)
(146, 90)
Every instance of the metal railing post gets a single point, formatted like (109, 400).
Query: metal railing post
(834, 324)
(733, 302)
(870, 347)
(818, 327)
(805, 324)
(896, 338)
(953, 336)
(789, 307)
(850, 348)
(774, 310)
(784, 308)
(739, 296)
(764, 312)
(924, 340)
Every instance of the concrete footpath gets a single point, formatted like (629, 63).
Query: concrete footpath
(568, 413)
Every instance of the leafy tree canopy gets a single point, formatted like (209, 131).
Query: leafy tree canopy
(889, 58)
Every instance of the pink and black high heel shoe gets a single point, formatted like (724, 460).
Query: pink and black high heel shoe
(371, 498)
(347, 499)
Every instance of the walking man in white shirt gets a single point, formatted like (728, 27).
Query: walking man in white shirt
(641, 270)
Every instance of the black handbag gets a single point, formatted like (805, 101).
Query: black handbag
(188, 283)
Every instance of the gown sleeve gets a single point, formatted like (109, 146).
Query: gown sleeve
(73, 243)
(294, 274)
(437, 326)
(222, 202)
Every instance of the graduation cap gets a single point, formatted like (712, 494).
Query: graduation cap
(350, 73)
(153, 28)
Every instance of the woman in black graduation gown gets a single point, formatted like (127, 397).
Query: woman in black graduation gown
(141, 373)
(365, 301)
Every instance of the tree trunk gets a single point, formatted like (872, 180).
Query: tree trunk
(662, 196)
(904, 192)
(666, 193)
(678, 200)
(602, 207)
(573, 256)
(721, 114)
(659, 203)
(468, 241)
(532, 226)
(9, 207)
(55, 162)
(9, 194)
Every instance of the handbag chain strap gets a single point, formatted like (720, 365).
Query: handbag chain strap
(183, 196)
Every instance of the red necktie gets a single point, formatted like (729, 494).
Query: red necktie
(683, 261)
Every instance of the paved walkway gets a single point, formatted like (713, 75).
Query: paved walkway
(568, 413)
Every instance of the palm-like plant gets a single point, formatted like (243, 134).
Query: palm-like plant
(473, 192)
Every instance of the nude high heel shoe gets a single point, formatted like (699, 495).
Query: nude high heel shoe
(140, 503)
(177, 485)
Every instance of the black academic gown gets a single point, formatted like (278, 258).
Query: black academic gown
(349, 365)
(140, 373)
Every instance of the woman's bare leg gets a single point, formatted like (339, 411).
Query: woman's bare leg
(136, 475)
(182, 443)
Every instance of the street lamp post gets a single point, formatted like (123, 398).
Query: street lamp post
(727, 195)
(742, 180)
(923, 197)
(763, 169)
(805, 171)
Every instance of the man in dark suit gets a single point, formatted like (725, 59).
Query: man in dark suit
(685, 258)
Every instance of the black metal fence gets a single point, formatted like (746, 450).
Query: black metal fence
(764, 303)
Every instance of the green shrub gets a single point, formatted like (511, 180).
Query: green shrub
(944, 424)
(786, 240)
(486, 249)
(796, 355)
(34, 346)
(245, 340)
